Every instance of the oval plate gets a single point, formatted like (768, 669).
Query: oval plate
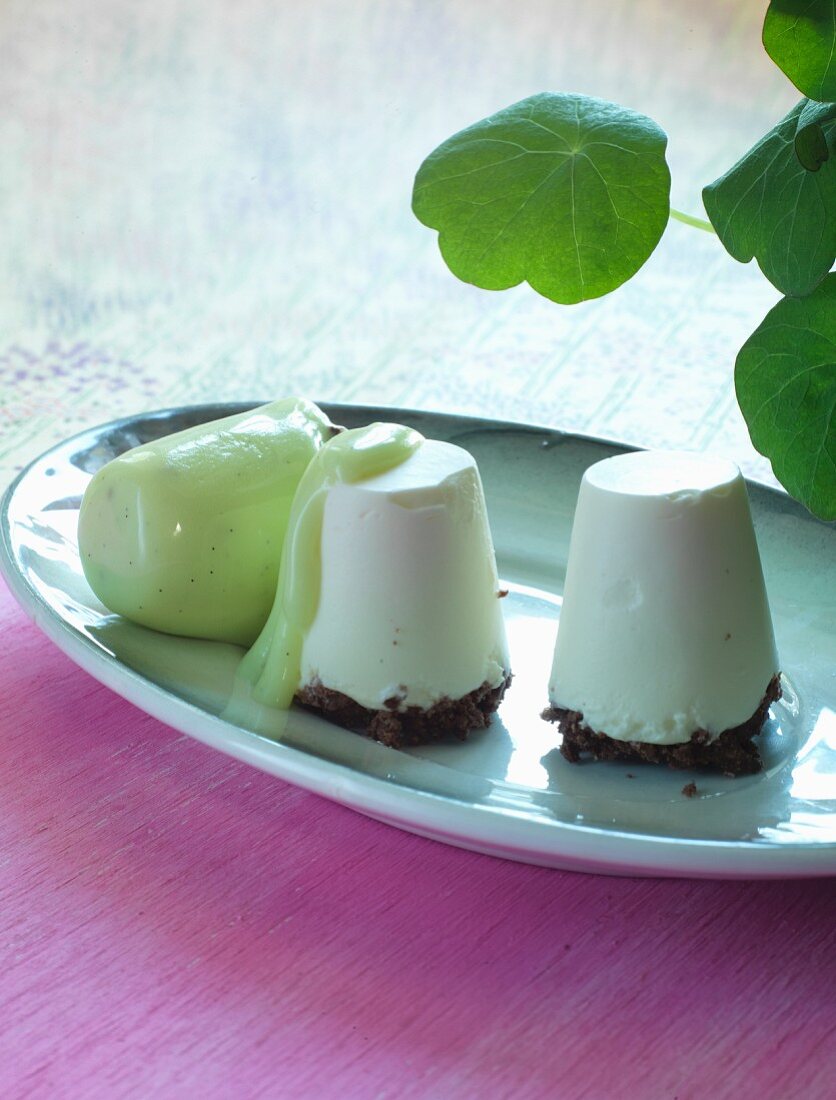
(506, 791)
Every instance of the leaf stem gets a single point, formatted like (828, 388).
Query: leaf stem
(689, 219)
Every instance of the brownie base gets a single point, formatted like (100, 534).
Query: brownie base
(732, 753)
(412, 725)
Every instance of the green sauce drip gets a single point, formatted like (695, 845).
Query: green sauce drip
(273, 664)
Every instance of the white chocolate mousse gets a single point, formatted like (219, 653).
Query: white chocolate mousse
(409, 605)
(665, 631)
(400, 630)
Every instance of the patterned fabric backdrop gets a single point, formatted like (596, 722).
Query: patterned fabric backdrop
(201, 203)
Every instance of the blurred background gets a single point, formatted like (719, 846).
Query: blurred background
(202, 200)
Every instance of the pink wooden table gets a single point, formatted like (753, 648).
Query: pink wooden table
(204, 201)
(176, 924)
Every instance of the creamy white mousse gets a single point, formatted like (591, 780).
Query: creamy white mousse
(665, 626)
(409, 604)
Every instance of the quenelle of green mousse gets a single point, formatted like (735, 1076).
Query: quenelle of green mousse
(185, 534)
(273, 663)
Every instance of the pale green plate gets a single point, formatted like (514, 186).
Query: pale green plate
(507, 791)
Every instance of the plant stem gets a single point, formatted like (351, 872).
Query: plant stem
(689, 219)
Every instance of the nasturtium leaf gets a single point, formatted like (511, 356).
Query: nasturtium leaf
(769, 205)
(800, 37)
(811, 146)
(785, 377)
(568, 193)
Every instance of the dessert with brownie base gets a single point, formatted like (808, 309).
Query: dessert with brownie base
(387, 616)
(665, 651)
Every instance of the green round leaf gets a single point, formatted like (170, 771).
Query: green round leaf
(770, 205)
(785, 377)
(800, 37)
(811, 146)
(568, 193)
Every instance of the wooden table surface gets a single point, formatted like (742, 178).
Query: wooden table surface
(205, 200)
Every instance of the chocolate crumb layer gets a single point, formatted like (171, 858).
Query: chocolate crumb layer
(732, 753)
(413, 725)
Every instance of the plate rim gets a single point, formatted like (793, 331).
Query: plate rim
(237, 406)
(646, 854)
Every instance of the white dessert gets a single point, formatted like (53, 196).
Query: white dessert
(408, 605)
(665, 628)
(387, 615)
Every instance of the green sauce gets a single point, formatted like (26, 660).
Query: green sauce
(273, 663)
